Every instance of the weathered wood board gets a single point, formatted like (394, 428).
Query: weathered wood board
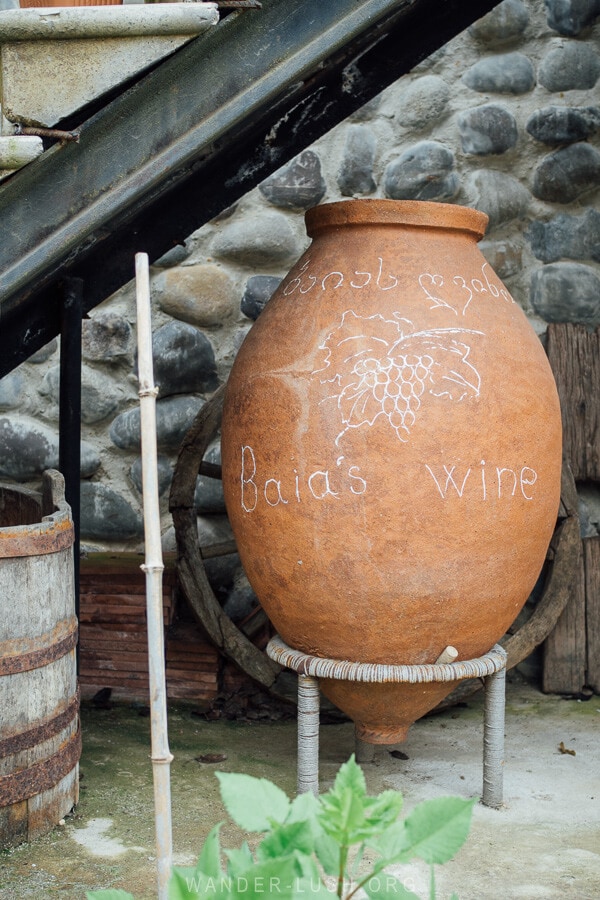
(574, 354)
(572, 652)
(592, 593)
(565, 651)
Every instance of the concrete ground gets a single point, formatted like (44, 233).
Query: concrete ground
(543, 843)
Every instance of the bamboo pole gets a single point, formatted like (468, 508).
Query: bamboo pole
(153, 568)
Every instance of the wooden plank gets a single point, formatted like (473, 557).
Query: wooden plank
(208, 654)
(110, 586)
(118, 630)
(103, 641)
(564, 670)
(190, 667)
(128, 664)
(120, 615)
(199, 678)
(574, 354)
(110, 565)
(106, 678)
(117, 598)
(591, 548)
(115, 614)
(190, 647)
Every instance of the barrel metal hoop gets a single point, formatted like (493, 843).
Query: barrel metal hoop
(42, 731)
(15, 657)
(378, 673)
(41, 776)
(36, 540)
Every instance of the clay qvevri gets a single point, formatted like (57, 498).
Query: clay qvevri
(391, 447)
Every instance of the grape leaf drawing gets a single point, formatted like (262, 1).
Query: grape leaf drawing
(383, 368)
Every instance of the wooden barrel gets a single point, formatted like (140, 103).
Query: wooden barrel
(40, 738)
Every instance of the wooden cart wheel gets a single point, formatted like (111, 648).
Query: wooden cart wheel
(562, 567)
(224, 633)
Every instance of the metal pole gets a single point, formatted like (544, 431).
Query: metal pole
(69, 426)
(308, 735)
(153, 567)
(493, 739)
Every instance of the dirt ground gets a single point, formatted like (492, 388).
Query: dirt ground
(543, 843)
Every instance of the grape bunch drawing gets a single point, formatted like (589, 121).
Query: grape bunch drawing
(384, 368)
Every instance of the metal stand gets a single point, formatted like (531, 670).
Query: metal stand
(491, 667)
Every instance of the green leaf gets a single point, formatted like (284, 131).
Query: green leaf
(281, 878)
(328, 853)
(348, 815)
(284, 839)
(343, 818)
(308, 867)
(350, 776)
(209, 860)
(392, 843)
(110, 894)
(239, 860)
(387, 887)
(342, 814)
(252, 803)
(187, 883)
(383, 810)
(304, 808)
(437, 829)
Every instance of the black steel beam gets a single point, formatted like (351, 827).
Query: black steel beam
(193, 136)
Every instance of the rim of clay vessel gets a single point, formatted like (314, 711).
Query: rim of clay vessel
(419, 213)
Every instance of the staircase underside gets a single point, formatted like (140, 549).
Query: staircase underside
(190, 138)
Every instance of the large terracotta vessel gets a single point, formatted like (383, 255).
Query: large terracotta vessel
(391, 448)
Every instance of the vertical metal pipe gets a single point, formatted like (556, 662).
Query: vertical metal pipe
(69, 426)
(363, 751)
(308, 735)
(493, 739)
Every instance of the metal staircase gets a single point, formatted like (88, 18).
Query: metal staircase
(188, 139)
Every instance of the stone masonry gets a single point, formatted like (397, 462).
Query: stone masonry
(505, 118)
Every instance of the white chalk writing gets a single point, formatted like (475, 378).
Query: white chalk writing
(483, 482)
(305, 280)
(457, 293)
(453, 292)
(280, 489)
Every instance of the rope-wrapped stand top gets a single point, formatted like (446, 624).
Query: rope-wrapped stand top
(344, 670)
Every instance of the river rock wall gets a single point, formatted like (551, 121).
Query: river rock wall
(505, 118)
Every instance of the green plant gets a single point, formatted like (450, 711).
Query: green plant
(316, 847)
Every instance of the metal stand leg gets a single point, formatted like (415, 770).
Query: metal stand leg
(308, 735)
(493, 739)
(491, 666)
(363, 751)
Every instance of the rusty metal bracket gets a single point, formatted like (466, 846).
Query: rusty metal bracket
(239, 4)
(38, 540)
(44, 730)
(41, 776)
(52, 133)
(15, 655)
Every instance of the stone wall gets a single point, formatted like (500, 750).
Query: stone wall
(506, 118)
